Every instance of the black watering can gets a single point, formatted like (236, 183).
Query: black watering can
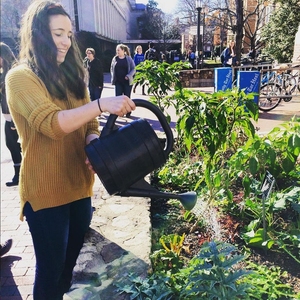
(122, 157)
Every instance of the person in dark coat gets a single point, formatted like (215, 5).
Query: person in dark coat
(7, 60)
(95, 70)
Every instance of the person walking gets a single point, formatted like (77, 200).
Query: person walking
(151, 53)
(122, 71)
(7, 59)
(191, 58)
(138, 58)
(95, 71)
(50, 105)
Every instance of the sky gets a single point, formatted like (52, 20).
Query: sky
(167, 6)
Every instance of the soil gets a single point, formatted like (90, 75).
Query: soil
(168, 219)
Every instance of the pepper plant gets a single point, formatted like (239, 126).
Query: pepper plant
(160, 78)
(211, 124)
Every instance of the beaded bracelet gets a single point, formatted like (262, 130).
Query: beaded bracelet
(98, 101)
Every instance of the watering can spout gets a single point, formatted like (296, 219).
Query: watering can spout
(144, 189)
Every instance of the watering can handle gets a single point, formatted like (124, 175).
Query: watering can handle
(109, 126)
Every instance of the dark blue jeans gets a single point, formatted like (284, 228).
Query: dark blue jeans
(95, 92)
(58, 235)
(123, 89)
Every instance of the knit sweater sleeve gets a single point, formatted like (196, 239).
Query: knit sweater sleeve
(27, 96)
(93, 125)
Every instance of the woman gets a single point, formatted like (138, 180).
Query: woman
(230, 55)
(7, 59)
(138, 58)
(122, 71)
(50, 104)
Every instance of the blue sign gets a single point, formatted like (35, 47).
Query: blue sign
(250, 81)
(223, 79)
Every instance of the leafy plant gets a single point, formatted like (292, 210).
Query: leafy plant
(172, 243)
(208, 124)
(277, 152)
(168, 258)
(266, 282)
(278, 233)
(160, 78)
(211, 274)
(153, 287)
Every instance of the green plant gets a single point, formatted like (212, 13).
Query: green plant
(212, 274)
(266, 282)
(154, 287)
(208, 124)
(285, 236)
(160, 78)
(178, 168)
(277, 152)
(168, 258)
(172, 243)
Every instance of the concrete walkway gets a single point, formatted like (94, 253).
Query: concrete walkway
(119, 240)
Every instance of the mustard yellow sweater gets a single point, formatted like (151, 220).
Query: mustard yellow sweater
(53, 170)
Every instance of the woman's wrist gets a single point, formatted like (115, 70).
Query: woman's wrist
(98, 101)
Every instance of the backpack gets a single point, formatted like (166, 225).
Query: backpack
(222, 56)
(152, 54)
(192, 55)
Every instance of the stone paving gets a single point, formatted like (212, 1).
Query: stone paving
(119, 240)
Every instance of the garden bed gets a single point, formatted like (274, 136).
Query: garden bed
(168, 218)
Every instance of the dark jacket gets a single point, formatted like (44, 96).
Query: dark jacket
(95, 69)
(4, 106)
(227, 57)
(151, 54)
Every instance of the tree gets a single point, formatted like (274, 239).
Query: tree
(11, 12)
(150, 22)
(237, 18)
(155, 25)
(279, 34)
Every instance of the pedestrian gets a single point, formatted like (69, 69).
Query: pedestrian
(7, 59)
(151, 53)
(122, 71)
(191, 58)
(50, 104)
(138, 58)
(95, 71)
(229, 54)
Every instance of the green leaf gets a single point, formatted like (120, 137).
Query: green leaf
(246, 185)
(280, 203)
(253, 165)
(288, 165)
(217, 180)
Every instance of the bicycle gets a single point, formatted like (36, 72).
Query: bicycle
(277, 86)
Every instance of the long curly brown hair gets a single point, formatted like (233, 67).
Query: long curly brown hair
(38, 50)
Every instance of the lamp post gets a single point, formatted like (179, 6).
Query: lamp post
(198, 4)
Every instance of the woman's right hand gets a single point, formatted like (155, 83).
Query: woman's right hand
(119, 105)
